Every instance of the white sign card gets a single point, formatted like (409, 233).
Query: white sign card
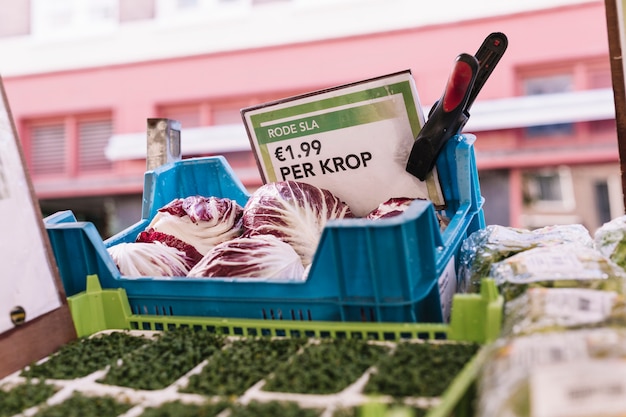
(353, 140)
(27, 278)
(35, 319)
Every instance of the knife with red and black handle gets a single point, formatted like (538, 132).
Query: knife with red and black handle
(450, 113)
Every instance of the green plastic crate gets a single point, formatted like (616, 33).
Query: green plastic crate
(475, 318)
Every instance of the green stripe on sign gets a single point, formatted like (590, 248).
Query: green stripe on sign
(403, 87)
(353, 116)
(267, 162)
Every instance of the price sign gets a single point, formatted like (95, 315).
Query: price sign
(353, 140)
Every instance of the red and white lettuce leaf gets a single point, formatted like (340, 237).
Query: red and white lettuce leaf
(390, 208)
(202, 222)
(398, 205)
(294, 212)
(262, 256)
(149, 236)
(155, 259)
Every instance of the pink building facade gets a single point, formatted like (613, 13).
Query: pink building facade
(545, 125)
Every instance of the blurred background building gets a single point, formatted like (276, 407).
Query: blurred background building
(83, 76)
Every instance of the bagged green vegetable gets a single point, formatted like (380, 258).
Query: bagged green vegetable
(494, 243)
(610, 240)
(551, 309)
(568, 265)
(580, 373)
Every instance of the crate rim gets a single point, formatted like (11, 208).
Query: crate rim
(97, 309)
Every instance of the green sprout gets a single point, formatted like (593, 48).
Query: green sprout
(273, 409)
(84, 356)
(79, 405)
(180, 409)
(325, 368)
(420, 369)
(23, 396)
(162, 362)
(239, 366)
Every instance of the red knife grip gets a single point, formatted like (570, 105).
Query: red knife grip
(459, 83)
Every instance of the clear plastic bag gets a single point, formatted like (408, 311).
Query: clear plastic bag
(558, 309)
(568, 265)
(494, 243)
(578, 373)
(610, 240)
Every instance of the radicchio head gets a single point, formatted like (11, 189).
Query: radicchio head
(263, 256)
(141, 259)
(294, 212)
(202, 222)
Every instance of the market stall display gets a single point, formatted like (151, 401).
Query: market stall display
(299, 299)
(400, 269)
(315, 290)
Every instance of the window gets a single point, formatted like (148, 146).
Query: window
(603, 201)
(93, 137)
(187, 4)
(602, 126)
(213, 112)
(600, 78)
(68, 146)
(204, 113)
(168, 9)
(551, 84)
(134, 10)
(227, 115)
(549, 189)
(15, 17)
(183, 11)
(73, 17)
(188, 116)
(579, 75)
(48, 149)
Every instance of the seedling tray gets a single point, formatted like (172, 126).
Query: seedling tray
(378, 271)
(140, 383)
(247, 376)
(118, 371)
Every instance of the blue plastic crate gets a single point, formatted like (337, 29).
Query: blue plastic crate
(380, 271)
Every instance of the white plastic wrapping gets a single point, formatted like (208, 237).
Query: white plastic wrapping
(495, 243)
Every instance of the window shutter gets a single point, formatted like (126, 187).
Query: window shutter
(187, 116)
(48, 149)
(93, 137)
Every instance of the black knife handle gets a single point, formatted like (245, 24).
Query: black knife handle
(488, 56)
